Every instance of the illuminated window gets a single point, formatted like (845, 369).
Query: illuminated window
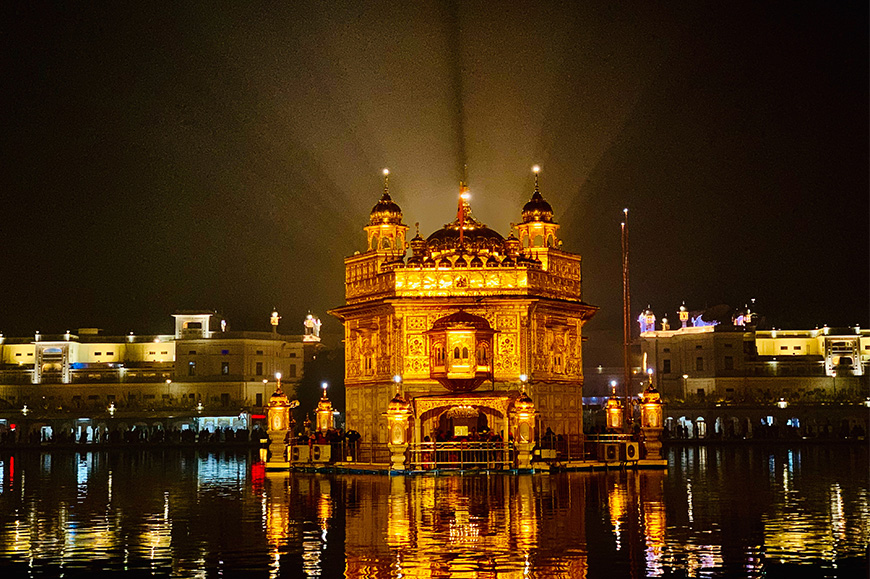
(699, 363)
(225, 368)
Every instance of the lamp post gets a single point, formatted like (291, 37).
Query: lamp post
(651, 422)
(398, 413)
(278, 428)
(524, 426)
(613, 409)
(685, 385)
(324, 411)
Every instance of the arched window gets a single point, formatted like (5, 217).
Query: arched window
(456, 353)
(464, 353)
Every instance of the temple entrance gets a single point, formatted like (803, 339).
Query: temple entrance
(467, 435)
(461, 422)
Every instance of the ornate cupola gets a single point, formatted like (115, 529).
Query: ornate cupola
(461, 350)
(538, 228)
(385, 231)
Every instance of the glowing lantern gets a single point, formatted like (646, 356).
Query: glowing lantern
(524, 416)
(279, 410)
(651, 421)
(398, 412)
(651, 409)
(325, 420)
(613, 412)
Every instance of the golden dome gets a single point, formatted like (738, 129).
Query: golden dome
(537, 209)
(386, 211)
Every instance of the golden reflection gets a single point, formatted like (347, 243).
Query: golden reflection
(398, 523)
(617, 502)
(653, 505)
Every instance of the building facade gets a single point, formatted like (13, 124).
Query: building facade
(463, 324)
(202, 363)
(733, 362)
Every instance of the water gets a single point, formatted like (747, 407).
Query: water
(737, 511)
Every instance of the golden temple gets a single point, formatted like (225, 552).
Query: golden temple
(463, 325)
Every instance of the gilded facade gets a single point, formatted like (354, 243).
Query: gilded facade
(520, 327)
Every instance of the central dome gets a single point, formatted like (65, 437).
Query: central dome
(475, 235)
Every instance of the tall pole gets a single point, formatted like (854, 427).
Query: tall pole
(626, 323)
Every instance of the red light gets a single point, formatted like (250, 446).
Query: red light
(11, 427)
(258, 416)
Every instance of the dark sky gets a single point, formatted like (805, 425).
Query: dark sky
(190, 155)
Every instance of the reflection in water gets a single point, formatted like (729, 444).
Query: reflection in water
(727, 511)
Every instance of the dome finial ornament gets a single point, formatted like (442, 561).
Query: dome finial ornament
(386, 173)
(536, 169)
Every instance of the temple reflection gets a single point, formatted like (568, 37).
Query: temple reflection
(208, 515)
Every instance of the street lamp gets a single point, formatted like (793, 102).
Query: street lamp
(25, 410)
(613, 409)
(783, 403)
(112, 408)
(685, 384)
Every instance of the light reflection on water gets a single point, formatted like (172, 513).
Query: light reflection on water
(725, 511)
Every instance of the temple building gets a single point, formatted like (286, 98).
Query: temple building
(465, 327)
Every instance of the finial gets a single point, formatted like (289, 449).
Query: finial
(536, 169)
(417, 227)
(386, 180)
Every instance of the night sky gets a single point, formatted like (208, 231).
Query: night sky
(190, 155)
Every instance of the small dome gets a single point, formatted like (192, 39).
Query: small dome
(418, 245)
(537, 209)
(386, 211)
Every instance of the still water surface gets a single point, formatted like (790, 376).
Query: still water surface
(735, 511)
